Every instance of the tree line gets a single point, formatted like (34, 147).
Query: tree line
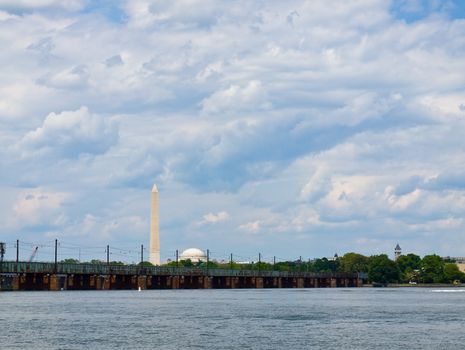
(409, 268)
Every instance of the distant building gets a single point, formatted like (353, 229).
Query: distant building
(397, 252)
(461, 266)
(194, 255)
(458, 260)
(334, 258)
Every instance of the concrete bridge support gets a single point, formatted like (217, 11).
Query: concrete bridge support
(231, 282)
(259, 282)
(207, 282)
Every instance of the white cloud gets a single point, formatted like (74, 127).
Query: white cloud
(13, 99)
(438, 225)
(444, 106)
(73, 78)
(6, 16)
(71, 133)
(39, 206)
(212, 218)
(143, 13)
(210, 70)
(318, 185)
(251, 96)
(252, 227)
(402, 202)
(105, 228)
(72, 5)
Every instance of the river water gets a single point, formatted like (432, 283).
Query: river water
(364, 318)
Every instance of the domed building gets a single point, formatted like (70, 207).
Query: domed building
(194, 255)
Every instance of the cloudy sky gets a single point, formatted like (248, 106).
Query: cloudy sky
(290, 128)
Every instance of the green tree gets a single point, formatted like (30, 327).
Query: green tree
(306, 266)
(229, 266)
(452, 273)
(70, 261)
(211, 265)
(410, 275)
(187, 263)
(410, 260)
(432, 269)
(325, 265)
(354, 262)
(282, 266)
(183, 263)
(262, 266)
(382, 270)
(409, 265)
(145, 264)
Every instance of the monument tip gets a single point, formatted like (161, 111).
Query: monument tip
(154, 188)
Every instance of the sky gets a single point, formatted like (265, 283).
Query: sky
(289, 128)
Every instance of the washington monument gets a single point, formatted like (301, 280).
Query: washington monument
(154, 229)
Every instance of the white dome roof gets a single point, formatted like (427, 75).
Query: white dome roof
(193, 254)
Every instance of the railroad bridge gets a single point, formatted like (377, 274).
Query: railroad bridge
(26, 276)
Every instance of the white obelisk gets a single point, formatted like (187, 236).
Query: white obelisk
(154, 229)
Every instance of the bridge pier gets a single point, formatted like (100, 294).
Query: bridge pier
(207, 282)
(159, 282)
(58, 282)
(173, 282)
(142, 282)
(15, 283)
(30, 281)
(230, 282)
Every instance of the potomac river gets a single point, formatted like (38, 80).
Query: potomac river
(342, 318)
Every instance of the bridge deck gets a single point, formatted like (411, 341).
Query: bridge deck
(103, 269)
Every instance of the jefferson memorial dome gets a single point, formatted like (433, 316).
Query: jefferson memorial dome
(194, 255)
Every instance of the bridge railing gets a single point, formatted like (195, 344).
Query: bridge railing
(103, 269)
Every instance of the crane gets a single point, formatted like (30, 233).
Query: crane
(33, 255)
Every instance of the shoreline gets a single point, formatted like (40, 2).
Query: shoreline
(419, 285)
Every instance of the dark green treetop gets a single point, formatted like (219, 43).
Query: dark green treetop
(432, 269)
(452, 273)
(354, 262)
(381, 269)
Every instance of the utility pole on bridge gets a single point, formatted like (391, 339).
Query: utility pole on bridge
(56, 255)
(2, 254)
